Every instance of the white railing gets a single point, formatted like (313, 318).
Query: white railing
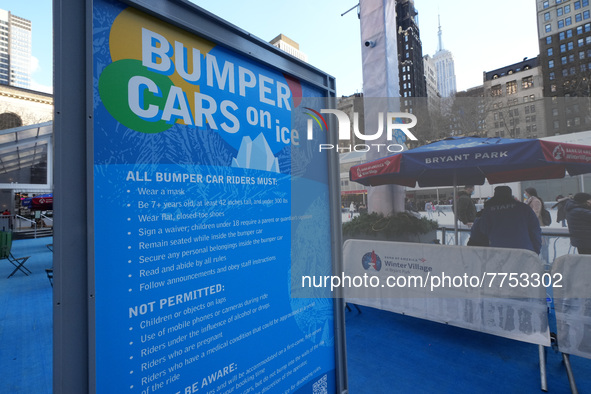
(34, 224)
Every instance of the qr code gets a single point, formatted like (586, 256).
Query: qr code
(321, 386)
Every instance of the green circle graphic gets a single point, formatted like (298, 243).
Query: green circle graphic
(113, 90)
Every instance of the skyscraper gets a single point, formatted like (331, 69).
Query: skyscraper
(444, 63)
(15, 50)
(410, 51)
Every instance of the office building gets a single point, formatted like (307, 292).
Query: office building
(433, 96)
(564, 32)
(514, 101)
(288, 45)
(15, 50)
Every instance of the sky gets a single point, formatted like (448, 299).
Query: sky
(482, 35)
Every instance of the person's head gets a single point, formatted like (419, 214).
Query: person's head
(531, 192)
(582, 198)
(503, 195)
(558, 197)
(469, 189)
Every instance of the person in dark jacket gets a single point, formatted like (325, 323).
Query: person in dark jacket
(508, 223)
(466, 209)
(578, 217)
(561, 213)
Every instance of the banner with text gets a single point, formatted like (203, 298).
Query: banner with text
(204, 196)
(477, 288)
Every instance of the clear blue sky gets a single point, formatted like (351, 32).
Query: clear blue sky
(482, 35)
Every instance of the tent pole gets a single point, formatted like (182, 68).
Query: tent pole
(455, 206)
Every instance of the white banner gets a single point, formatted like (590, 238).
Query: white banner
(572, 302)
(491, 290)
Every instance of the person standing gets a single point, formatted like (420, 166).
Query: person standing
(534, 202)
(578, 217)
(560, 212)
(429, 209)
(466, 209)
(508, 223)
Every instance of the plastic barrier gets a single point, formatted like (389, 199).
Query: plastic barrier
(491, 290)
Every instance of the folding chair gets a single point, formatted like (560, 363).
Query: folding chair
(19, 263)
(5, 253)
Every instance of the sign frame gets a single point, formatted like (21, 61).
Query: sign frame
(73, 292)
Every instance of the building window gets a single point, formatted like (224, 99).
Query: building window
(587, 27)
(549, 40)
(568, 21)
(572, 71)
(578, 18)
(550, 63)
(563, 60)
(580, 30)
(554, 111)
(559, 11)
(552, 77)
(588, 40)
(580, 42)
(511, 87)
(571, 58)
(569, 33)
(561, 23)
(577, 5)
(585, 3)
(570, 45)
(566, 9)
(548, 28)
(585, 14)
(564, 72)
(550, 52)
(546, 4)
(583, 67)
(527, 82)
(546, 16)
(563, 48)
(562, 35)
(582, 55)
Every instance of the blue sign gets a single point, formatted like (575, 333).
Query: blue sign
(205, 194)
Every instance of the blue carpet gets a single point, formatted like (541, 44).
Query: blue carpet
(26, 321)
(392, 353)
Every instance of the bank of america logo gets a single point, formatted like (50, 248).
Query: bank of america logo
(371, 261)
